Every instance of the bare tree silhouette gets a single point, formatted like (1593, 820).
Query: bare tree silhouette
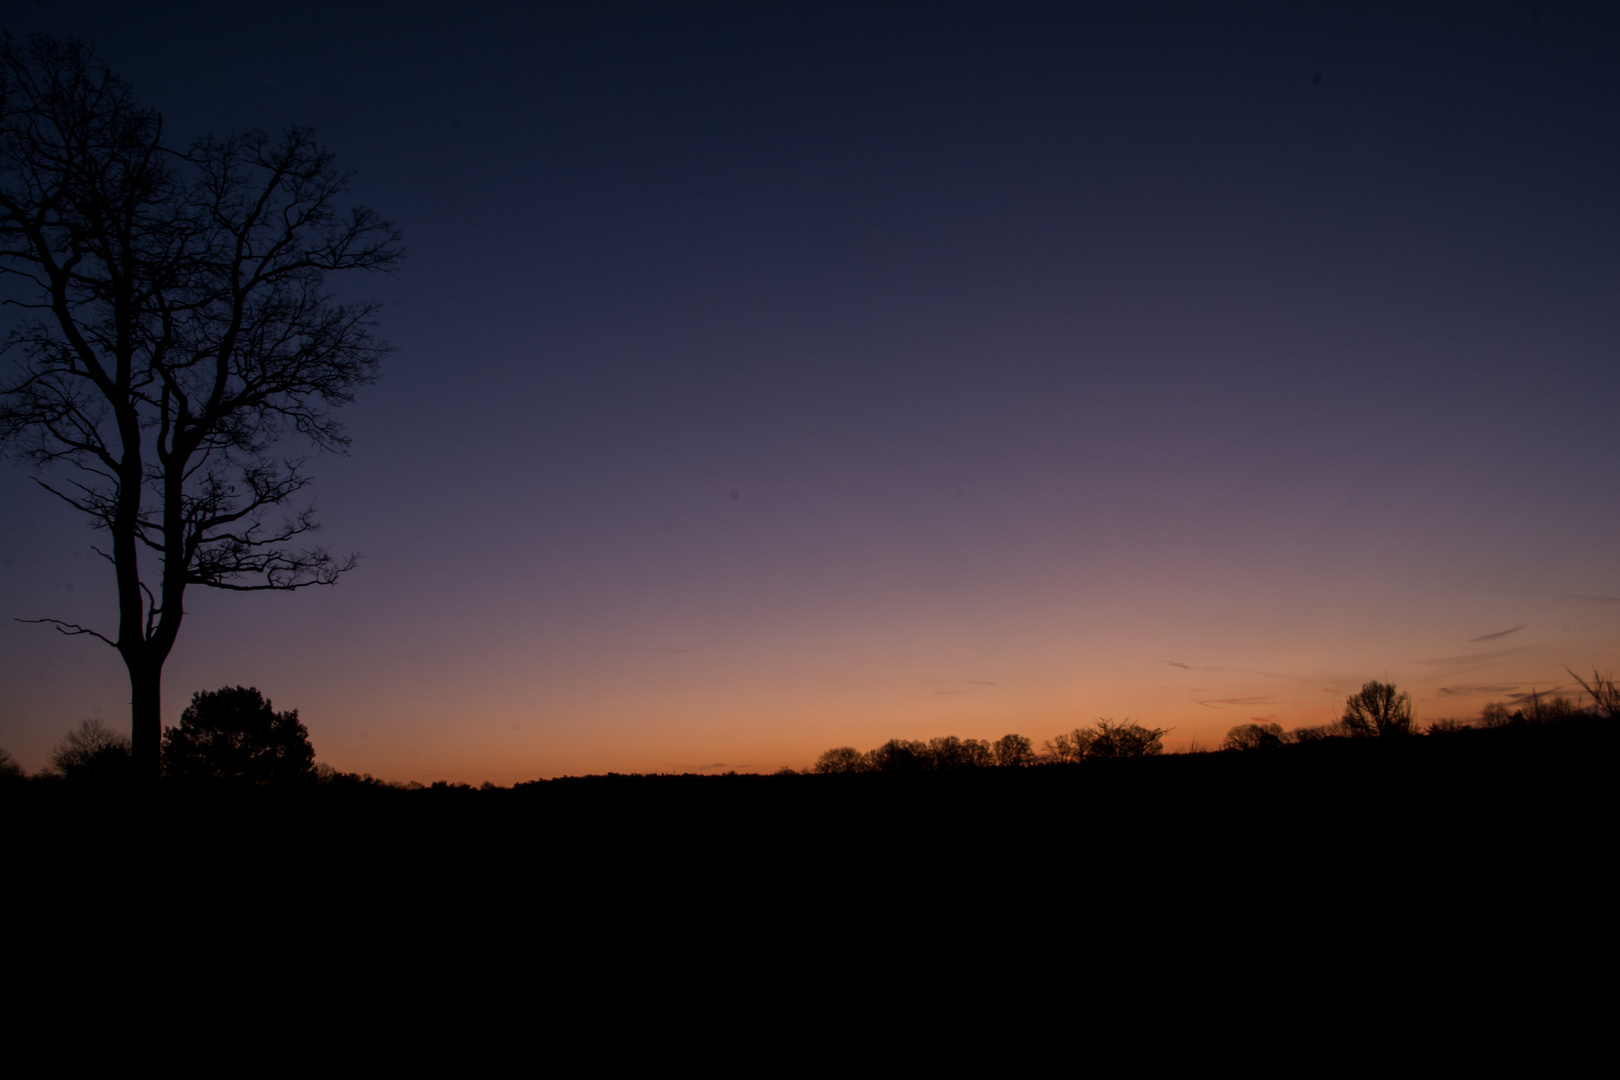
(92, 752)
(1107, 739)
(177, 328)
(1549, 710)
(1014, 750)
(1254, 737)
(1126, 740)
(1378, 709)
(900, 756)
(840, 759)
(1069, 747)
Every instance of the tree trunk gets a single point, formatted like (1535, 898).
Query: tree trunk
(146, 718)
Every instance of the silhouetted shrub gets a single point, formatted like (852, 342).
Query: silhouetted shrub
(1254, 737)
(233, 734)
(92, 753)
(1378, 710)
(1605, 695)
(1319, 733)
(9, 769)
(325, 774)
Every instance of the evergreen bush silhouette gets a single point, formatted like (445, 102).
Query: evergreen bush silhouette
(233, 734)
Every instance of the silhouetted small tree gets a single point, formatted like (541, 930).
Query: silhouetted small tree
(1106, 740)
(1254, 737)
(1013, 751)
(233, 734)
(1070, 747)
(1551, 710)
(1126, 740)
(9, 769)
(948, 753)
(840, 759)
(1378, 710)
(900, 756)
(92, 753)
(1495, 715)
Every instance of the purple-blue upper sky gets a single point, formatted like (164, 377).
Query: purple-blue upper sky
(772, 377)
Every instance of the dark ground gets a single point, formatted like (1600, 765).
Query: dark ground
(1444, 873)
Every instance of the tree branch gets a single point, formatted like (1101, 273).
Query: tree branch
(71, 629)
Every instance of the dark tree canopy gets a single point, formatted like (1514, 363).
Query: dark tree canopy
(233, 734)
(174, 327)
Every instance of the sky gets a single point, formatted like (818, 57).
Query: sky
(778, 377)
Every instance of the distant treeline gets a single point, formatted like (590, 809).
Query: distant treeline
(1105, 739)
(232, 737)
(1377, 710)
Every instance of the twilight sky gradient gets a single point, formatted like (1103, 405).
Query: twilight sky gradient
(770, 380)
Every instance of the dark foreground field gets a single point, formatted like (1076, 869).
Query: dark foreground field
(1470, 864)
